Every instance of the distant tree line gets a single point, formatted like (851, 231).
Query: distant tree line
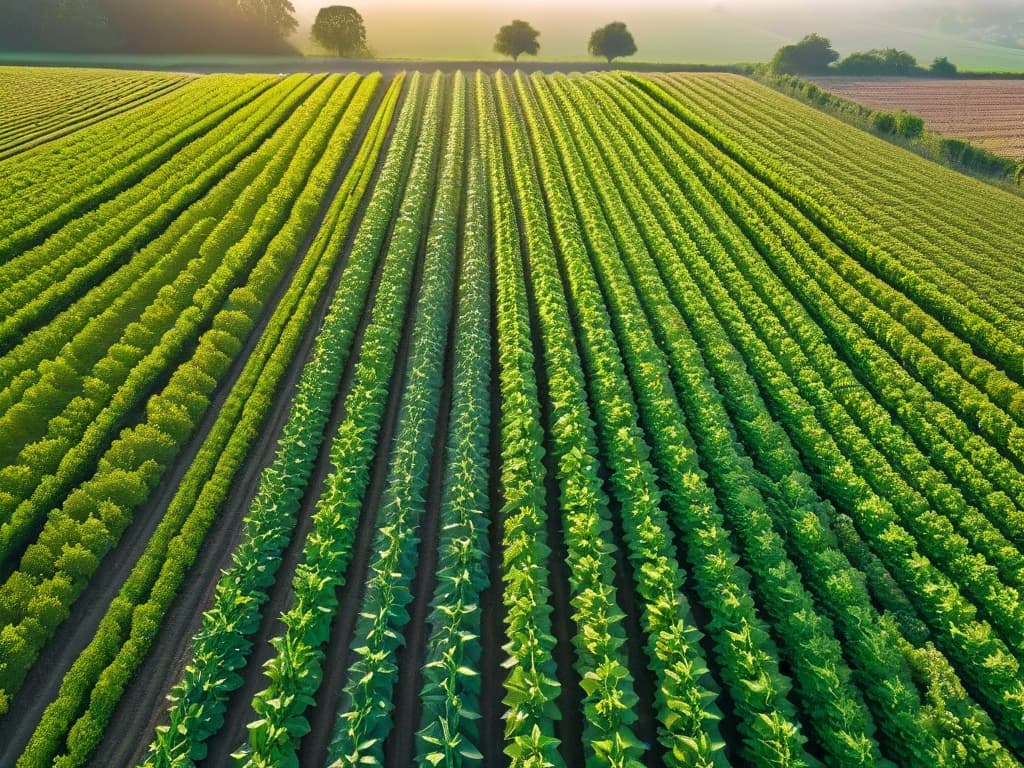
(814, 55)
(149, 26)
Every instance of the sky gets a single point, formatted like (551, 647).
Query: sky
(693, 31)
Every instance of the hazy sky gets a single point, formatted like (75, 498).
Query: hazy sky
(708, 31)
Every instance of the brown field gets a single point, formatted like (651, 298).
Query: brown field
(988, 113)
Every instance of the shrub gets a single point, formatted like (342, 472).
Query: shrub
(883, 122)
(908, 125)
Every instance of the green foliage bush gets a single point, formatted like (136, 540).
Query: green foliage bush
(908, 125)
(883, 122)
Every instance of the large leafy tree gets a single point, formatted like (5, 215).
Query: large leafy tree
(340, 28)
(811, 56)
(612, 41)
(517, 38)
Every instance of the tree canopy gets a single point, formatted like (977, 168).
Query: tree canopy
(942, 67)
(879, 61)
(612, 41)
(340, 28)
(517, 38)
(811, 56)
(148, 26)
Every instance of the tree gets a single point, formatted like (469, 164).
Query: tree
(517, 38)
(340, 28)
(276, 16)
(611, 41)
(811, 56)
(942, 67)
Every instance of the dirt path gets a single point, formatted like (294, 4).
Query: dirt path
(142, 708)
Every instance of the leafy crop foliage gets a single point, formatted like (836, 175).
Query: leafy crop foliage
(590, 420)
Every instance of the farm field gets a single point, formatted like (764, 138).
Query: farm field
(988, 113)
(467, 419)
(39, 108)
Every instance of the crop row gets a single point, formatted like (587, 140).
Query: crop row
(55, 112)
(799, 512)
(135, 615)
(45, 279)
(59, 423)
(915, 247)
(450, 694)
(49, 188)
(850, 489)
(78, 534)
(531, 685)
(222, 647)
(294, 672)
(363, 722)
(600, 660)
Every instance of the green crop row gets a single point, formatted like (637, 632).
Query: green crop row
(221, 648)
(44, 190)
(294, 672)
(92, 109)
(450, 694)
(832, 449)
(46, 278)
(609, 698)
(532, 685)
(363, 722)
(689, 736)
(63, 422)
(870, 641)
(99, 676)
(43, 106)
(56, 568)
